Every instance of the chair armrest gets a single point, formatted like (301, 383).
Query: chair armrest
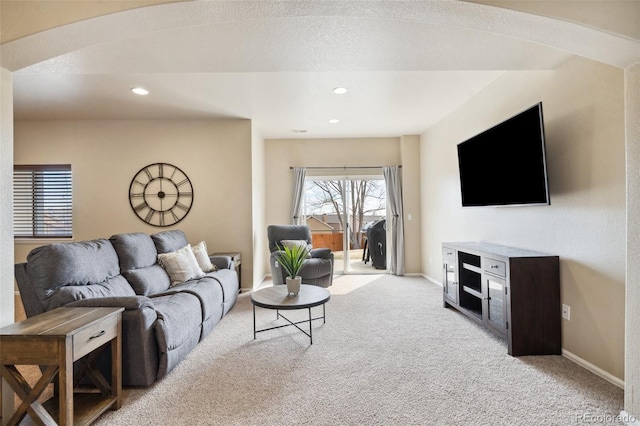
(277, 272)
(222, 262)
(323, 253)
(129, 303)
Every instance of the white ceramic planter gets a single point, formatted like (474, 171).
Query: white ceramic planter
(293, 285)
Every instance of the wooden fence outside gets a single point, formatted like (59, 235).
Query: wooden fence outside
(332, 240)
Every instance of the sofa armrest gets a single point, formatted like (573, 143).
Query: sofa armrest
(139, 344)
(323, 253)
(222, 262)
(30, 302)
(129, 303)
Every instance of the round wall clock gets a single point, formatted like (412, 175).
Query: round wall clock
(161, 194)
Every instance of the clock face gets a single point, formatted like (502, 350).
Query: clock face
(161, 194)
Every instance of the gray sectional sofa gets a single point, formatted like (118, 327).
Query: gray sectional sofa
(162, 322)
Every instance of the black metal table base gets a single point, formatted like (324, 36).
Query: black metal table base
(291, 323)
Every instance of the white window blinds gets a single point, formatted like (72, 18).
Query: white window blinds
(42, 201)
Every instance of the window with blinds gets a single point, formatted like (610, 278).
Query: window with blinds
(42, 201)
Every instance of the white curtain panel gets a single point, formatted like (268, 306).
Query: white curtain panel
(299, 173)
(393, 183)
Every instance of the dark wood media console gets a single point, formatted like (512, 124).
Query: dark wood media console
(514, 293)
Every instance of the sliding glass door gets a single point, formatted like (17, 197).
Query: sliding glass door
(339, 211)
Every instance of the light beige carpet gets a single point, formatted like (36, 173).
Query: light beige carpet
(389, 354)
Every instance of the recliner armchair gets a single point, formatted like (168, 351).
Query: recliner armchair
(317, 269)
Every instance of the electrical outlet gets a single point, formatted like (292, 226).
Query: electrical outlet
(566, 312)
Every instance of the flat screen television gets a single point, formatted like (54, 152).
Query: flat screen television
(506, 164)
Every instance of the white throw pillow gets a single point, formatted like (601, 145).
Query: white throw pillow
(294, 243)
(181, 265)
(202, 256)
(297, 243)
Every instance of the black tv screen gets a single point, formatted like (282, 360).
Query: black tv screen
(506, 165)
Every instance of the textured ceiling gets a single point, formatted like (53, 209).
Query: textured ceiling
(615, 16)
(20, 18)
(406, 63)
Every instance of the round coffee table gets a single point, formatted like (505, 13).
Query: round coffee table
(277, 297)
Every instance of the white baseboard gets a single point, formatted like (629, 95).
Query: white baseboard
(260, 284)
(594, 369)
(581, 362)
(433, 280)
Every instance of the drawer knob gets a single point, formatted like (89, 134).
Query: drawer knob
(95, 336)
(494, 266)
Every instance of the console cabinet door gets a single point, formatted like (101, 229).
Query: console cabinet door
(450, 283)
(449, 276)
(495, 307)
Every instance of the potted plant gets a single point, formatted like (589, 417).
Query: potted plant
(291, 258)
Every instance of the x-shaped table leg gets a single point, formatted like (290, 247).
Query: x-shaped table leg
(29, 395)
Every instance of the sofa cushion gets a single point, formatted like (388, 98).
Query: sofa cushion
(228, 280)
(177, 328)
(169, 241)
(148, 281)
(92, 266)
(139, 263)
(181, 265)
(209, 293)
(112, 287)
(135, 250)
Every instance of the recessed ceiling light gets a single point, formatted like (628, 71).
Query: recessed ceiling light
(334, 121)
(140, 91)
(340, 90)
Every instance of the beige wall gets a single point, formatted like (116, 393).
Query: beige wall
(105, 155)
(281, 154)
(6, 218)
(258, 188)
(583, 106)
(632, 337)
(410, 153)
(6, 205)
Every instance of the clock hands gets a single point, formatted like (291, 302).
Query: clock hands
(161, 194)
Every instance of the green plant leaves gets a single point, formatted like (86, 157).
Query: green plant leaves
(292, 258)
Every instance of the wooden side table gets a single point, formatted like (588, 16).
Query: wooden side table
(236, 257)
(55, 340)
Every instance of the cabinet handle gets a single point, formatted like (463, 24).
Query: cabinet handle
(95, 336)
(493, 266)
(449, 253)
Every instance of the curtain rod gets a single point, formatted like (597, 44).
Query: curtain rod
(342, 167)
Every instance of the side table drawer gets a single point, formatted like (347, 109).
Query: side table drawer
(94, 336)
